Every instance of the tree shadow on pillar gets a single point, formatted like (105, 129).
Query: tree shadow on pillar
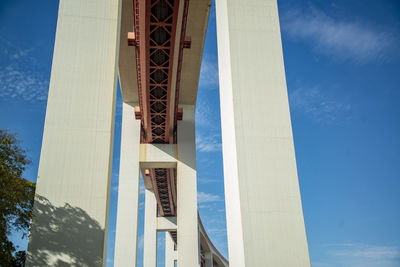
(63, 236)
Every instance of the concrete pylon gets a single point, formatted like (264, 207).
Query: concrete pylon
(187, 218)
(72, 194)
(170, 252)
(128, 190)
(265, 224)
(150, 230)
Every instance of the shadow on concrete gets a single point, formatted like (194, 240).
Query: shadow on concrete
(63, 236)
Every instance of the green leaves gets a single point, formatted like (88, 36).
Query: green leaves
(16, 197)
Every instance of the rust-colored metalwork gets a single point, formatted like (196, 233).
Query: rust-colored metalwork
(164, 187)
(154, 41)
(155, 28)
(163, 20)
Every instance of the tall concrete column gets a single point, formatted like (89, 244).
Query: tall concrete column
(265, 223)
(72, 193)
(150, 230)
(128, 190)
(170, 253)
(188, 240)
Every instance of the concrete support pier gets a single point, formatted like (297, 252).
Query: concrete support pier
(72, 193)
(157, 53)
(188, 233)
(170, 252)
(150, 230)
(265, 223)
(128, 190)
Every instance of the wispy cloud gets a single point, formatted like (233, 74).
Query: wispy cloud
(209, 72)
(360, 255)
(142, 189)
(140, 241)
(208, 143)
(318, 106)
(205, 197)
(114, 182)
(357, 250)
(161, 241)
(20, 75)
(206, 180)
(355, 40)
(114, 188)
(141, 205)
(203, 113)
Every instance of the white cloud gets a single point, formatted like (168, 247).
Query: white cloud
(161, 241)
(22, 85)
(360, 255)
(20, 75)
(209, 73)
(142, 189)
(205, 197)
(140, 241)
(342, 39)
(215, 225)
(210, 180)
(203, 114)
(363, 251)
(321, 108)
(206, 207)
(209, 143)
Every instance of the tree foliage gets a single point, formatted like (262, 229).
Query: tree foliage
(16, 197)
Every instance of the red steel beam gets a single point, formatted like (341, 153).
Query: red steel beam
(155, 29)
(154, 39)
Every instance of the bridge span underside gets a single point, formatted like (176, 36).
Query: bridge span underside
(155, 48)
(164, 52)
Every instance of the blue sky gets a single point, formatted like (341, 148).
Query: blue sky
(342, 64)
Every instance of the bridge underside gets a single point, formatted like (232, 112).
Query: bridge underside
(158, 57)
(164, 54)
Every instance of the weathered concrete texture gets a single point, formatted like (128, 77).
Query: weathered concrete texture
(75, 164)
(128, 190)
(264, 214)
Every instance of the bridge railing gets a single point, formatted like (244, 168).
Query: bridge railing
(210, 255)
